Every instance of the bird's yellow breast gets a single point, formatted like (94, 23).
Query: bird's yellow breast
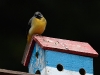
(38, 26)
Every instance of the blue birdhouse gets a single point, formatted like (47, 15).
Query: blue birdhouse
(53, 56)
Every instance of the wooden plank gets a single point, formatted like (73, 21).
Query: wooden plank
(10, 72)
(56, 44)
(67, 46)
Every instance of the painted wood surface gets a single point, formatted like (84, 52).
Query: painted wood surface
(60, 45)
(37, 63)
(48, 60)
(54, 71)
(70, 62)
(67, 46)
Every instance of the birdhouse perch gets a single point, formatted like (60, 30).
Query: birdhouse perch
(53, 56)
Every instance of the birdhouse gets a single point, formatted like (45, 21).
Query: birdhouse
(53, 56)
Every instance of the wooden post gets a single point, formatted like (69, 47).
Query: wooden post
(10, 72)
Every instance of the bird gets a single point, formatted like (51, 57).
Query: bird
(38, 25)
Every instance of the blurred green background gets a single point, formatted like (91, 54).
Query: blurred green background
(66, 19)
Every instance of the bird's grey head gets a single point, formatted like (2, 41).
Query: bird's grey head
(38, 15)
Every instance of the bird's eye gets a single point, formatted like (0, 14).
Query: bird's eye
(39, 14)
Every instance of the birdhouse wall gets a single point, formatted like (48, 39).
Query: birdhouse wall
(37, 61)
(50, 62)
(59, 63)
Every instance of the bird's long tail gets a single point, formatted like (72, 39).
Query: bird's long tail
(28, 50)
(29, 38)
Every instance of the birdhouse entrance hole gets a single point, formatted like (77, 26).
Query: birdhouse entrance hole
(82, 71)
(37, 72)
(37, 54)
(59, 67)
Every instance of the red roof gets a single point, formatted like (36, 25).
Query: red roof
(61, 45)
